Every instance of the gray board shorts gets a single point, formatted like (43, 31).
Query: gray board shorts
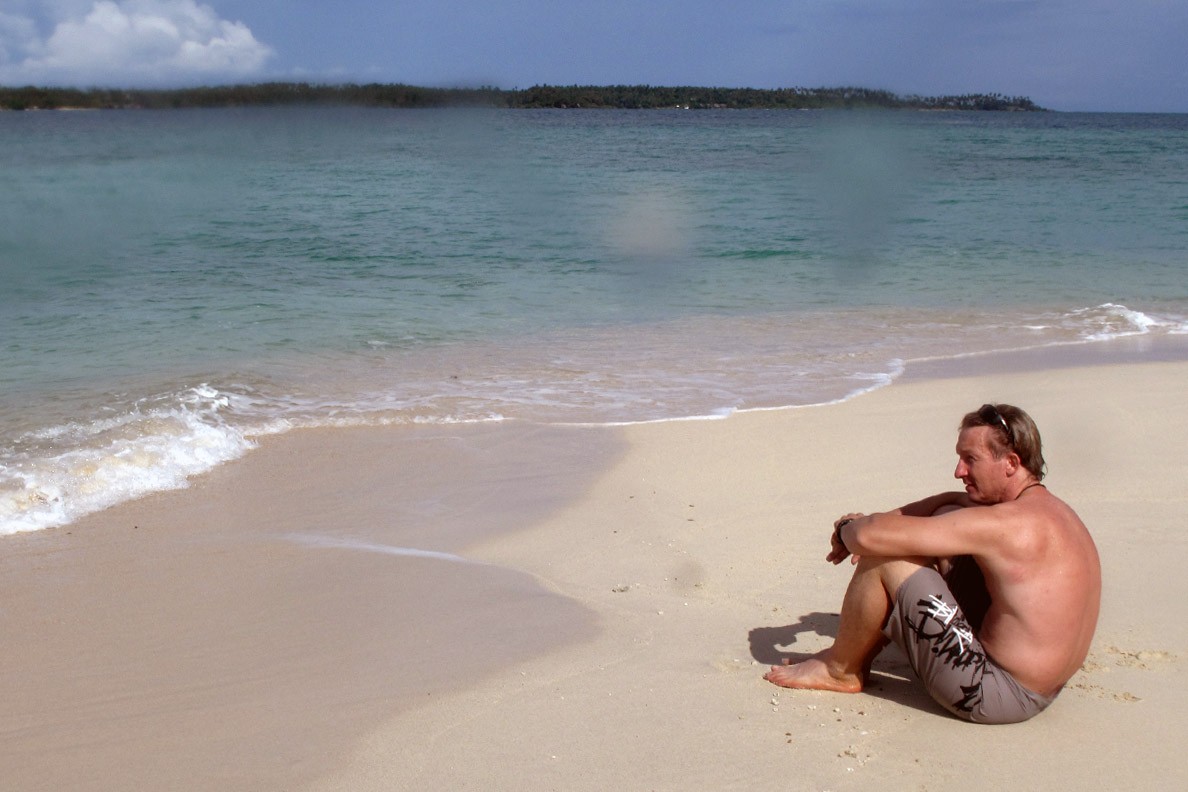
(928, 623)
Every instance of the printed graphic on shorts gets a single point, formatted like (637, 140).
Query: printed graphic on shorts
(943, 627)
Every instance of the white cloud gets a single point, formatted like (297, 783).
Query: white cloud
(129, 43)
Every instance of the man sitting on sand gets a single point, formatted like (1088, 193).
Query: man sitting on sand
(992, 593)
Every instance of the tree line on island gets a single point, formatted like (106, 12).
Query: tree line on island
(632, 97)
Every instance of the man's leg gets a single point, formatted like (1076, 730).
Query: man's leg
(843, 666)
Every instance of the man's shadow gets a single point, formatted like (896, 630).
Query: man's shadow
(770, 645)
(891, 677)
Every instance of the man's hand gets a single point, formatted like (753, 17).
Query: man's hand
(837, 550)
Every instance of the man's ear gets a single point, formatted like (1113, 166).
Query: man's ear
(1013, 463)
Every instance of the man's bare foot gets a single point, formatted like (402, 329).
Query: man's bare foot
(813, 674)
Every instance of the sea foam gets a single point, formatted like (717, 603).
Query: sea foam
(60, 473)
(1110, 320)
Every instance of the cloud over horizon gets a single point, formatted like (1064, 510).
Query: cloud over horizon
(126, 43)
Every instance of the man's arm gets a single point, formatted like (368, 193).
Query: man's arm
(925, 507)
(973, 531)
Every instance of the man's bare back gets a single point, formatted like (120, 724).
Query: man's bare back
(1045, 599)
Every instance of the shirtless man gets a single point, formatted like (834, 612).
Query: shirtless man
(992, 593)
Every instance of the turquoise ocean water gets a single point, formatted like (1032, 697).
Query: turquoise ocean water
(174, 286)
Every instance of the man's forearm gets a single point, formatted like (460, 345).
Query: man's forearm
(846, 536)
(897, 533)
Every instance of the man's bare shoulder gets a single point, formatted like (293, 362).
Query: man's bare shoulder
(1046, 509)
(1038, 525)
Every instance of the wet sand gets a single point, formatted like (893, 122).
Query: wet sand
(245, 633)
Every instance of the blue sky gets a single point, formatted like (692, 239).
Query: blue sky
(1064, 54)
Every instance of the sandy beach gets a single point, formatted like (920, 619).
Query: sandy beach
(509, 606)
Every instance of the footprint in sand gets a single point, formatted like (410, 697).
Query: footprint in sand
(1101, 692)
(729, 664)
(1143, 658)
(1115, 657)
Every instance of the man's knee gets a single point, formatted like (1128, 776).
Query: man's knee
(893, 571)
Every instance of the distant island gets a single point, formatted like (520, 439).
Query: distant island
(630, 97)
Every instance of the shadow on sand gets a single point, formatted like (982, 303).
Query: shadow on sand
(891, 677)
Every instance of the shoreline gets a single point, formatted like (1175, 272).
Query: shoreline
(627, 586)
(1121, 350)
(174, 439)
(549, 97)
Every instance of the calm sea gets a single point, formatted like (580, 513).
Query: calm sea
(175, 285)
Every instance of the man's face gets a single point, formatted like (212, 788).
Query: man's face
(985, 477)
